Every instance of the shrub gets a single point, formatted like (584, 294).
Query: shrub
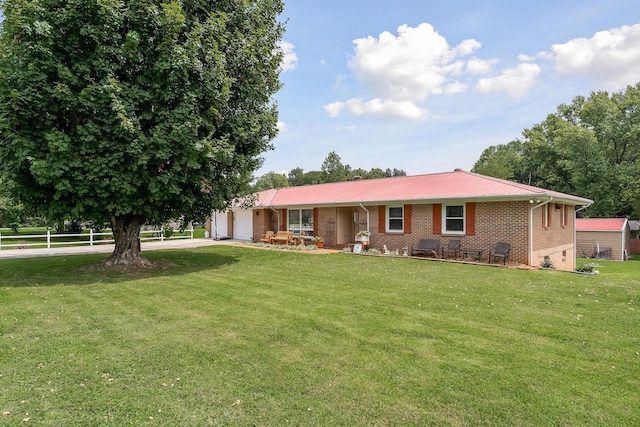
(547, 263)
(586, 268)
(372, 251)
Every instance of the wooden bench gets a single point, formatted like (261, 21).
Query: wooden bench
(282, 238)
(267, 237)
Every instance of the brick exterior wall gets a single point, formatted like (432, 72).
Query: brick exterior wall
(327, 226)
(494, 222)
(556, 241)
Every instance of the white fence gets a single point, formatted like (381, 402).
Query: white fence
(88, 239)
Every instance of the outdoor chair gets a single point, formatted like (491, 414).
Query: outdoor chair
(500, 250)
(451, 249)
(299, 239)
(426, 247)
(601, 252)
(266, 237)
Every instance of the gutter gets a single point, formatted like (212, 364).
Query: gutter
(575, 237)
(531, 227)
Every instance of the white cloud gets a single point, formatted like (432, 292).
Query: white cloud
(467, 47)
(334, 108)
(338, 84)
(282, 126)
(289, 59)
(408, 67)
(383, 109)
(480, 66)
(455, 87)
(516, 81)
(401, 71)
(611, 57)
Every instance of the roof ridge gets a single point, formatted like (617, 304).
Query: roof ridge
(507, 182)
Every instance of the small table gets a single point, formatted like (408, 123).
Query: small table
(476, 253)
(301, 240)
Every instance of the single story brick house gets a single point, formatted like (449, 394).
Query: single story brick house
(603, 238)
(476, 209)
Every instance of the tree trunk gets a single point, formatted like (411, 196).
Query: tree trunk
(126, 233)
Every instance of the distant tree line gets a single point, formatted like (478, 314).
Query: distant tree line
(333, 170)
(589, 148)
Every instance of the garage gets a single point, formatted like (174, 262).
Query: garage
(219, 227)
(243, 224)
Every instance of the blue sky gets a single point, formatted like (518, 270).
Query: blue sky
(426, 86)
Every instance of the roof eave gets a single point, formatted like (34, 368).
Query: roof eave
(542, 196)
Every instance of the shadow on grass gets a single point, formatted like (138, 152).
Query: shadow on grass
(71, 270)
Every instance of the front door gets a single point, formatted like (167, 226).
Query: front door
(345, 233)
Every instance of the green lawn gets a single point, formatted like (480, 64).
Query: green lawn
(243, 336)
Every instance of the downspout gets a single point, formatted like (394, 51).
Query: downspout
(277, 216)
(531, 228)
(367, 211)
(575, 237)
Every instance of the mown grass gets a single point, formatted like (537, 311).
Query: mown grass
(243, 336)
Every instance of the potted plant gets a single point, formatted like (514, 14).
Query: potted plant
(363, 236)
(319, 241)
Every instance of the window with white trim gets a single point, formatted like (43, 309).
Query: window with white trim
(300, 220)
(453, 219)
(395, 218)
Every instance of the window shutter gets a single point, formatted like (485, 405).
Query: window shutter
(549, 213)
(283, 221)
(470, 216)
(382, 221)
(315, 221)
(407, 219)
(437, 218)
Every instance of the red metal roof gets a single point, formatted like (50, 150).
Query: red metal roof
(600, 224)
(420, 188)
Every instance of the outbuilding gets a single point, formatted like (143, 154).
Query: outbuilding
(603, 238)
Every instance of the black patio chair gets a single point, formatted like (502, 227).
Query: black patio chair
(426, 247)
(500, 250)
(451, 248)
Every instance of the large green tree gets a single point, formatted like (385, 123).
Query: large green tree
(333, 170)
(590, 148)
(136, 111)
(12, 213)
(271, 180)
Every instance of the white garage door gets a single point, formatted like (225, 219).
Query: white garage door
(243, 224)
(219, 227)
